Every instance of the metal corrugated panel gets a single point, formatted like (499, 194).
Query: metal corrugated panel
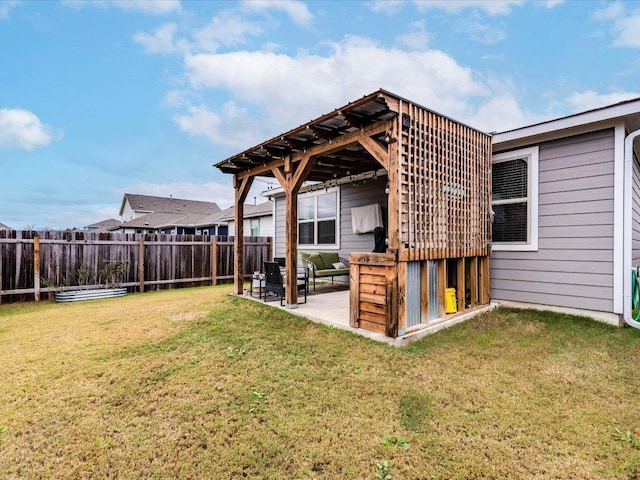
(414, 293)
(433, 290)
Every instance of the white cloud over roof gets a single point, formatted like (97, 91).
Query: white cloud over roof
(22, 129)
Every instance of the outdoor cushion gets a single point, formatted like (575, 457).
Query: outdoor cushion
(317, 261)
(329, 258)
(339, 265)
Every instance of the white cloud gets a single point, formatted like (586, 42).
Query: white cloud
(221, 193)
(388, 7)
(232, 127)
(296, 10)
(587, 100)
(147, 7)
(490, 7)
(22, 129)
(500, 113)
(6, 6)
(553, 3)
(226, 29)
(488, 34)
(355, 67)
(624, 25)
(417, 37)
(162, 40)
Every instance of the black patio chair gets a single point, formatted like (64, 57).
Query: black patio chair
(274, 282)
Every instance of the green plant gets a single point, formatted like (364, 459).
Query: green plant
(389, 440)
(626, 437)
(383, 470)
(257, 406)
(234, 352)
(83, 276)
(112, 273)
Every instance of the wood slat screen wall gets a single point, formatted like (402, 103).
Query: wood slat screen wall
(168, 260)
(444, 187)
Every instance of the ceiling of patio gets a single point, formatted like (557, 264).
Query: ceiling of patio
(351, 160)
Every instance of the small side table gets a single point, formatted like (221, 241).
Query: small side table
(257, 283)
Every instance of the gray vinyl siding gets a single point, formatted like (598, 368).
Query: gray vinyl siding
(573, 266)
(635, 238)
(350, 196)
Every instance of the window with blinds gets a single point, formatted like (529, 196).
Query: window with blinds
(510, 198)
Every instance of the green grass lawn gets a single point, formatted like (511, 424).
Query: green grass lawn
(194, 384)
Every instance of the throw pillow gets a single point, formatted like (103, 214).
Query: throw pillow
(339, 265)
(316, 259)
(329, 258)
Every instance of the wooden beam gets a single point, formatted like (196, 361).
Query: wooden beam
(301, 173)
(330, 146)
(380, 154)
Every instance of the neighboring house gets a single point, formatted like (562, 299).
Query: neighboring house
(565, 201)
(104, 226)
(258, 219)
(150, 214)
(5, 227)
(566, 229)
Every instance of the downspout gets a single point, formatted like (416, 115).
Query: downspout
(628, 227)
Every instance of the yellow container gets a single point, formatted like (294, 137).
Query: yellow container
(450, 302)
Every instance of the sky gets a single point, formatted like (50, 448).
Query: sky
(102, 98)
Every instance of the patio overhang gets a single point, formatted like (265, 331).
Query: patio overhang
(349, 141)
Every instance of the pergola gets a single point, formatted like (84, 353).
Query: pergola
(438, 173)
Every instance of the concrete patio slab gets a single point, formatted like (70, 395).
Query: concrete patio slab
(332, 309)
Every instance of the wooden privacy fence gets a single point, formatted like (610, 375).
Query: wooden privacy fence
(34, 263)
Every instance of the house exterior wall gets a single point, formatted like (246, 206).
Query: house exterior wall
(350, 196)
(265, 226)
(573, 266)
(635, 235)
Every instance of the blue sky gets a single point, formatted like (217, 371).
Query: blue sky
(99, 98)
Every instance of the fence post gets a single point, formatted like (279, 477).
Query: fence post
(141, 265)
(36, 268)
(214, 262)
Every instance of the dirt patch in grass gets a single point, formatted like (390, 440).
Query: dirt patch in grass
(193, 383)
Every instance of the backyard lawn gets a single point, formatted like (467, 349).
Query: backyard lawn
(195, 384)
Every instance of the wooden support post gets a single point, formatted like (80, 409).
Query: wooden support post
(391, 327)
(424, 291)
(442, 285)
(460, 284)
(473, 281)
(393, 199)
(141, 265)
(483, 280)
(36, 268)
(401, 279)
(214, 262)
(242, 189)
(354, 295)
(291, 249)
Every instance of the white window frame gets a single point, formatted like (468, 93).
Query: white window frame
(531, 245)
(254, 222)
(316, 245)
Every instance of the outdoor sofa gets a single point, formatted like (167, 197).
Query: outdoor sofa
(324, 265)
